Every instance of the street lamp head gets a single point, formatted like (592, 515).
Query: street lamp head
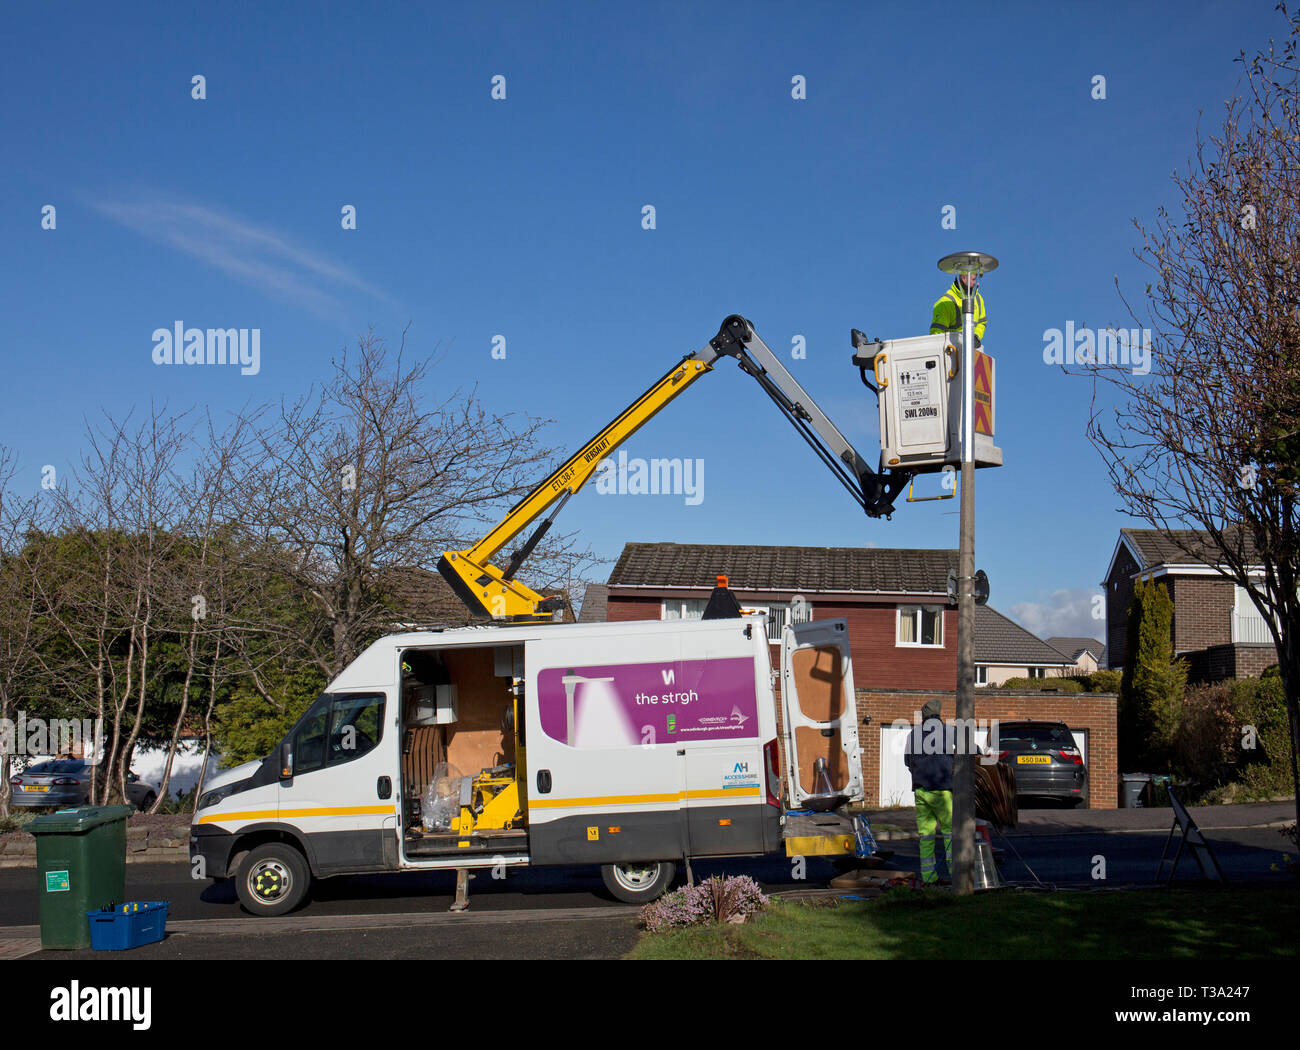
(974, 264)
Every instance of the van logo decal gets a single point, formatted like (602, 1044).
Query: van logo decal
(741, 767)
(608, 705)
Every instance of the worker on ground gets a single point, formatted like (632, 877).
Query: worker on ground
(947, 315)
(928, 754)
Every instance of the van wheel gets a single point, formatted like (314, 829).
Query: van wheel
(273, 879)
(638, 882)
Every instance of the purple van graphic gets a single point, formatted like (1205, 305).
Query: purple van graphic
(624, 705)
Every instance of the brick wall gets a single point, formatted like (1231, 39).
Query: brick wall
(1252, 660)
(1119, 593)
(1202, 611)
(1218, 662)
(880, 663)
(1095, 712)
(622, 608)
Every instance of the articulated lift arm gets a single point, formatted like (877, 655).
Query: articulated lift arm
(491, 592)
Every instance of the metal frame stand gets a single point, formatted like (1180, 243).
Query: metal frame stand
(1191, 836)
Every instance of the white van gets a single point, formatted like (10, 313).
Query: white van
(626, 745)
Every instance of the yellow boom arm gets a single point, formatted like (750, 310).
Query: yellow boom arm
(491, 592)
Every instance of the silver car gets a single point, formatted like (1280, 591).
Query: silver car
(62, 782)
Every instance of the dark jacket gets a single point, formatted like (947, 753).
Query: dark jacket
(928, 754)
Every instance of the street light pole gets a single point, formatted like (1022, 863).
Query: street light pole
(962, 857)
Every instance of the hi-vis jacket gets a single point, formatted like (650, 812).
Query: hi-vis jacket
(928, 754)
(947, 312)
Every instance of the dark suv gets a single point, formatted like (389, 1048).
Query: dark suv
(1046, 760)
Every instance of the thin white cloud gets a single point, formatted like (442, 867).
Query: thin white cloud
(255, 256)
(1067, 613)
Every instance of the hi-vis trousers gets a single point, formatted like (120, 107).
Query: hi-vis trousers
(933, 813)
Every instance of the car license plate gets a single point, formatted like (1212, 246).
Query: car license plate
(1033, 760)
(36, 787)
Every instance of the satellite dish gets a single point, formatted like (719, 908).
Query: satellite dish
(981, 586)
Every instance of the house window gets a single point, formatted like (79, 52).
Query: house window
(778, 613)
(920, 625)
(1247, 624)
(981, 676)
(1037, 672)
(781, 613)
(683, 608)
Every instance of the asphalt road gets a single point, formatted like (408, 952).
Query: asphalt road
(1250, 854)
(404, 892)
(567, 914)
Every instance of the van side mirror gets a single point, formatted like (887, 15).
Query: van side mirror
(286, 760)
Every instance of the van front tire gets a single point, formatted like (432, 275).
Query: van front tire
(273, 879)
(638, 882)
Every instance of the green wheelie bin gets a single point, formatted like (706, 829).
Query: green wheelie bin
(81, 865)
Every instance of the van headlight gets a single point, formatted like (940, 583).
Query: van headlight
(213, 798)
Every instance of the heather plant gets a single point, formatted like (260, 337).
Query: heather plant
(719, 900)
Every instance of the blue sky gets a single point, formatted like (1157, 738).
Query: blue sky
(522, 217)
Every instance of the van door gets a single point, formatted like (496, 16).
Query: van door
(722, 740)
(344, 793)
(605, 772)
(819, 712)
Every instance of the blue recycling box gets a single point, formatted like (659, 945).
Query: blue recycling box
(127, 925)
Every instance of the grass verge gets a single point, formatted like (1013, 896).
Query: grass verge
(1229, 923)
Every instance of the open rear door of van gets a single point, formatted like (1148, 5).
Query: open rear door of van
(819, 712)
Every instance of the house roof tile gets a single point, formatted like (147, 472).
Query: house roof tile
(803, 570)
(1073, 647)
(1184, 546)
(999, 640)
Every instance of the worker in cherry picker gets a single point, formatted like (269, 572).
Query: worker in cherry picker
(947, 316)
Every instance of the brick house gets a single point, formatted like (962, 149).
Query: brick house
(1216, 627)
(902, 636)
(902, 630)
(1088, 654)
(1004, 649)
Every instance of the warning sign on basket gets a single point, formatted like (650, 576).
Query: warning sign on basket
(919, 404)
(916, 388)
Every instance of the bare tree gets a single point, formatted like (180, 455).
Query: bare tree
(21, 633)
(362, 478)
(196, 587)
(113, 517)
(1206, 447)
